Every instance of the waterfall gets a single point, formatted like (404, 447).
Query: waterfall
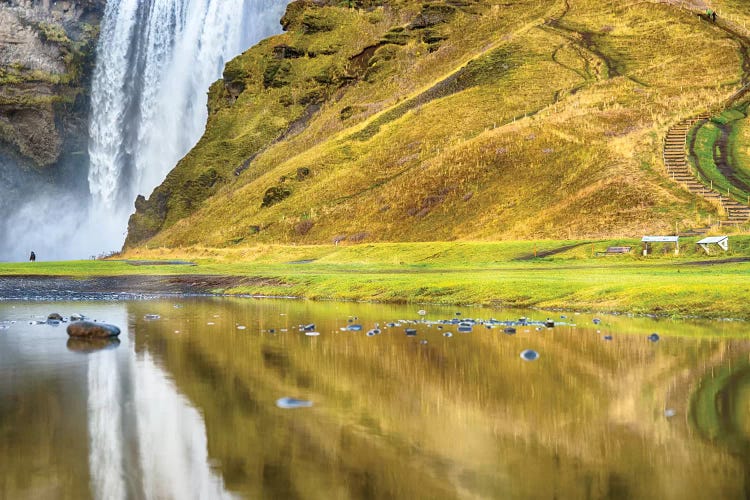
(155, 62)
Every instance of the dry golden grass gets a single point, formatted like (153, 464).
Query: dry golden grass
(555, 132)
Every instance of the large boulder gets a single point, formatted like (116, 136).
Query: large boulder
(91, 330)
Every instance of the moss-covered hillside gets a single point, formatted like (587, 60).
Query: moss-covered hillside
(450, 119)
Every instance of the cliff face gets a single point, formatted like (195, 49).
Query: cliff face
(47, 52)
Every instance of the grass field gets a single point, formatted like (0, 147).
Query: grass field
(498, 274)
(720, 153)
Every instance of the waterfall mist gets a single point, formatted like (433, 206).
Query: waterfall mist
(155, 62)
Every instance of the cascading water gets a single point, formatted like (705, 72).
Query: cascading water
(155, 62)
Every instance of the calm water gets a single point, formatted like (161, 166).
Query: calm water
(185, 405)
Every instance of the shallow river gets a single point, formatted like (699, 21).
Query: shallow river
(189, 404)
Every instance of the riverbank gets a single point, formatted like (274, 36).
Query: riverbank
(563, 275)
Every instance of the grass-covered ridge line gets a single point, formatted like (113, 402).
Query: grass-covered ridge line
(422, 121)
(497, 274)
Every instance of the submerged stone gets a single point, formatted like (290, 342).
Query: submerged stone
(54, 317)
(309, 327)
(465, 328)
(509, 331)
(447, 334)
(411, 332)
(88, 329)
(151, 317)
(608, 337)
(529, 355)
(354, 328)
(654, 337)
(292, 403)
(669, 412)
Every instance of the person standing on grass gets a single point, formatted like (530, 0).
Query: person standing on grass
(32, 257)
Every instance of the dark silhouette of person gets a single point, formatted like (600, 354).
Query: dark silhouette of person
(32, 257)
(713, 16)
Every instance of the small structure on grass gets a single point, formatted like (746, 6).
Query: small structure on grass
(614, 251)
(660, 239)
(720, 241)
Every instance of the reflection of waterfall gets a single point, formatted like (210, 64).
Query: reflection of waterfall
(156, 60)
(105, 426)
(169, 435)
(172, 440)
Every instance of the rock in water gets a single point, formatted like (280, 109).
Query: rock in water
(529, 355)
(88, 329)
(292, 403)
(54, 317)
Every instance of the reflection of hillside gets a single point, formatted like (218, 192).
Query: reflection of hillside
(42, 436)
(720, 405)
(456, 417)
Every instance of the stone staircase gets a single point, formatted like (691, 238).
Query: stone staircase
(678, 168)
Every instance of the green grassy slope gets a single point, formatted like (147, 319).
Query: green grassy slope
(415, 121)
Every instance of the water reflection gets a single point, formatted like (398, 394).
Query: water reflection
(107, 425)
(88, 346)
(188, 406)
(106, 441)
(173, 456)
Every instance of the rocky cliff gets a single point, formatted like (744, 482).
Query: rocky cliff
(47, 52)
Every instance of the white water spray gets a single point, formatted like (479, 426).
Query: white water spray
(155, 62)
